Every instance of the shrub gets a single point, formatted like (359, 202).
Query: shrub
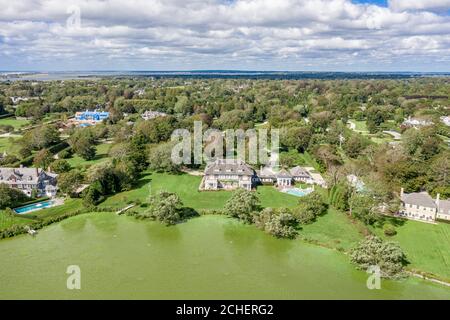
(374, 252)
(389, 230)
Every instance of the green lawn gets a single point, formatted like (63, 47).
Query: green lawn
(102, 155)
(17, 124)
(9, 145)
(426, 246)
(7, 221)
(186, 186)
(70, 205)
(334, 230)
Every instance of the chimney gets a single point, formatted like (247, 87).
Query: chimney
(438, 196)
(402, 191)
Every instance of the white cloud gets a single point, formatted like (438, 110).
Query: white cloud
(402, 5)
(214, 33)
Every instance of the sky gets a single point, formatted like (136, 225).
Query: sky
(290, 35)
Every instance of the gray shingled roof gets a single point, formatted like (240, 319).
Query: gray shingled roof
(283, 174)
(444, 206)
(28, 175)
(229, 166)
(299, 171)
(419, 199)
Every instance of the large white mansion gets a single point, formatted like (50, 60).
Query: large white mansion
(229, 174)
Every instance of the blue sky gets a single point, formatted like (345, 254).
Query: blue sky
(312, 35)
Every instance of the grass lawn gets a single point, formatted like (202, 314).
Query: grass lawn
(186, 186)
(17, 124)
(6, 221)
(334, 230)
(70, 205)
(9, 145)
(102, 155)
(426, 246)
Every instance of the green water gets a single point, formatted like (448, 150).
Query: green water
(206, 258)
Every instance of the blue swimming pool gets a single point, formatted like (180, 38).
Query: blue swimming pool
(34, 207)
(298, 192)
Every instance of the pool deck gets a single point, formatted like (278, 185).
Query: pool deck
(55, 203)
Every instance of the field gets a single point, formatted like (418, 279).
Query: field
(102, 155)
(427, 246)
(70, 205)
(9, 145)
(17, 124)
(333, 230)
(186, 186)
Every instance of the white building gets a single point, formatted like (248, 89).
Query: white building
(446, 120)
(149, 115)
(422, 207)
(228, 174)
(416, 122)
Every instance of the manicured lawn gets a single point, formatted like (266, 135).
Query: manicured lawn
(102, 155)
(17, 124)
(427, 246)
(70, 205)
(334, 230)
(9, 145)
(186, 186)
(7, 221)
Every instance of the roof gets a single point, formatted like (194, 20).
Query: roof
(419, 199)
(29, 175)
(229, 166)
(299, 171)
(283, 174)
(444, 207)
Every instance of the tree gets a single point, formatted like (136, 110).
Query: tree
(278, 222)
(83, 144)
(69, 182)
(165, 207)
(160, 158)
(43, 159)
(10, 197)
(364, 207)
(354, 145)
(242, 205)
(374, 252)
(60, 166)
(42, 137)
(297, 138)
(309, 208)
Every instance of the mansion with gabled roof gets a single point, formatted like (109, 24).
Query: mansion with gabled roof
(29, 179)
(230, 174)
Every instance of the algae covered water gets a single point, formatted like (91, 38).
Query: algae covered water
(206, 258)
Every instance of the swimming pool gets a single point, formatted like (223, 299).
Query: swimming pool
(34, 207)
(298, 192)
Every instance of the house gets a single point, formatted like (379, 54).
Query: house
(228, 174)
(233, 174)
(90, 118)
(446, 120)
(149, 115)
(29, 179)
(300, 174)
(416, 122)
(422, 207)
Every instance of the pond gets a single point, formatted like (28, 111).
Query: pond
(210, 257)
